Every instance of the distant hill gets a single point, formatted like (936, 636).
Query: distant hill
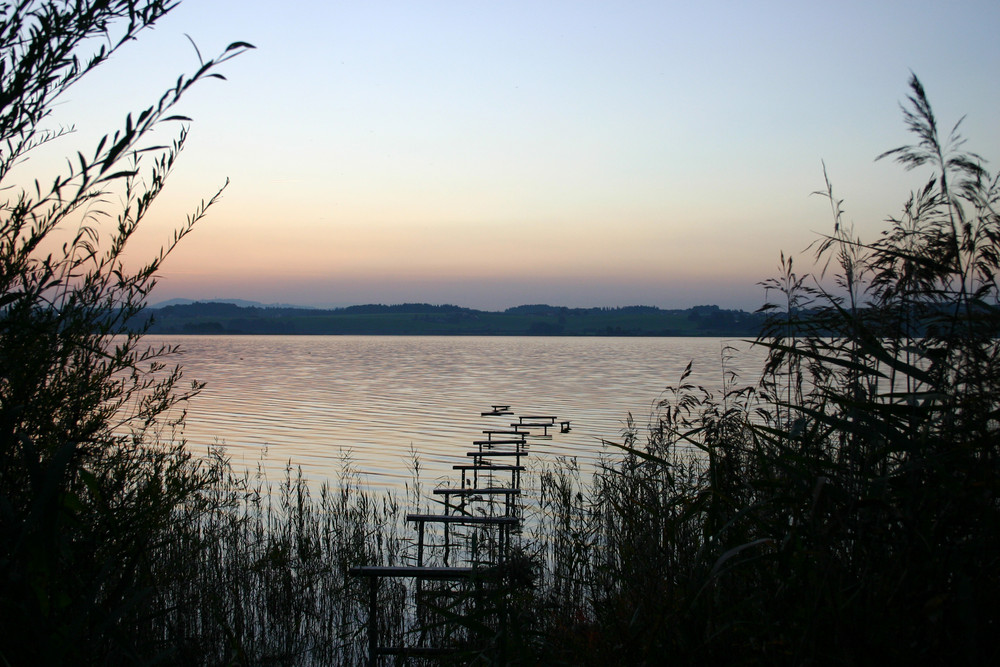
(425, 319)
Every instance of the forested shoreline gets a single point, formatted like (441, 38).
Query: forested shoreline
(425, 319)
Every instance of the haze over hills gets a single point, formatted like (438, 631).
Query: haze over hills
(236, 302)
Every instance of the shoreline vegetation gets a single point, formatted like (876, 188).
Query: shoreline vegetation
(843, 509)
(414, 319)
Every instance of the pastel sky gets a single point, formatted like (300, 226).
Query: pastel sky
(495, 153)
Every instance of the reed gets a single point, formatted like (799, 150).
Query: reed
(843, 509)
(259, 575)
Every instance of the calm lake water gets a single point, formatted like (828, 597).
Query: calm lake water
(315, 399)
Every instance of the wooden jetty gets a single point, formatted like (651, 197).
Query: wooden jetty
(487, 504)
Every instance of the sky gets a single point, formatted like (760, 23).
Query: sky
(490, 154)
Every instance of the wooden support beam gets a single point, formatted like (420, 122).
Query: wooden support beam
(492, 443)
(463, 519)
(468, 491)
(419, 572)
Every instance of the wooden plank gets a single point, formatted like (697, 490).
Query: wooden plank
(497, 411)
(495, 452)
(416, 651)
(416, 572)
(493, 491)
(480, 443)
(488, 466)
(463, 519)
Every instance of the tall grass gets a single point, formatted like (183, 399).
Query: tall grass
(252, 571)
(842, 510)
(250, 574)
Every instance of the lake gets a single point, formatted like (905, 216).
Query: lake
(314, 400)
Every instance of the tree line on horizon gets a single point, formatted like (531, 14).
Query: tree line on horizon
(426, 319)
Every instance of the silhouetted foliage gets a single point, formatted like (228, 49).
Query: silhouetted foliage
(845, 509)
(90, 476)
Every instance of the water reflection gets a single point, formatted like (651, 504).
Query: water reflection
(313, 399)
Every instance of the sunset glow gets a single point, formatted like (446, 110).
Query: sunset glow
(492, 154)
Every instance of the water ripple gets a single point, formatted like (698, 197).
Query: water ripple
(315, 399)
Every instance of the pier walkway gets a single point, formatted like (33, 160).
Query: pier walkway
(474, 529)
